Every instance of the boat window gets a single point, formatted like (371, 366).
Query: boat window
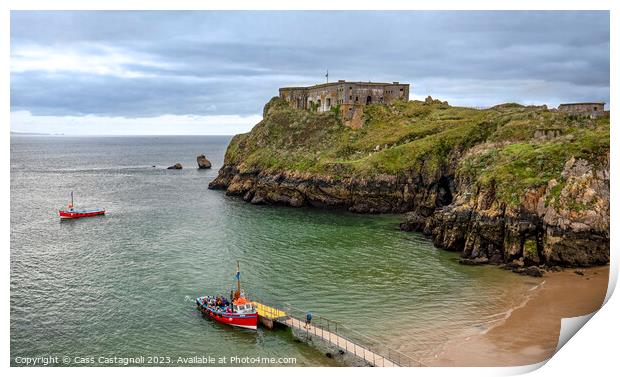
(248, 306)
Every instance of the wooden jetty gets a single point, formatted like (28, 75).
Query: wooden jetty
(335, 334)
(267, 315)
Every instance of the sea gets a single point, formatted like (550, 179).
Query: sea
(119, 289)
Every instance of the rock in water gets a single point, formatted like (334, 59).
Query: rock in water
(203, 163)
(474, 261)
(176, 166)
(534, 271)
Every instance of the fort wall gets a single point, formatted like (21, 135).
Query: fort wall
(324, 97)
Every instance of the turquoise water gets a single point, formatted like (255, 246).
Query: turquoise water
(123, 285)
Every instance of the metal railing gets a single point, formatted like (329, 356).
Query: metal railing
(369, 349)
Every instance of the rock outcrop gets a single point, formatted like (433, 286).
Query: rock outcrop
(176, 166)
(384, 194)
(203, 162)
(553, 225)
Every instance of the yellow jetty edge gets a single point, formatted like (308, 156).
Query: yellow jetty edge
(268, 312)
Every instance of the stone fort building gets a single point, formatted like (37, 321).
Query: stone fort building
(351, 96)
(591, 109)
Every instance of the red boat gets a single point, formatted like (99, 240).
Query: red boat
(72, 213)
(240, 312)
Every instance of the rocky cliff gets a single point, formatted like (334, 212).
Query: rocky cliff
(511, 184)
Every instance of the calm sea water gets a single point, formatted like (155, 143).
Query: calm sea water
(123, 285)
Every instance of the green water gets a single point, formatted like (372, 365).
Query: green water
(123, 285)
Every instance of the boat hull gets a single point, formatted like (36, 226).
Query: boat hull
(247, 320)
(77, 214)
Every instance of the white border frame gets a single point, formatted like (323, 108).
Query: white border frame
(594, 350)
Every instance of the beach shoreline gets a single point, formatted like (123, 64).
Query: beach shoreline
(529, 334)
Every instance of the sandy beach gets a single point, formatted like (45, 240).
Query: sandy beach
(530, 333)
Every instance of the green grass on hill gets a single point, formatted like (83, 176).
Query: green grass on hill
(415, 138)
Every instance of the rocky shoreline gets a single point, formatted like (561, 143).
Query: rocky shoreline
(385, 195)
(478, 225)
(560, 221)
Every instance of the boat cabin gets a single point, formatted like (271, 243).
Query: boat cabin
(243, 308)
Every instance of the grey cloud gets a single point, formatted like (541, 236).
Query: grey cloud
(233, 62)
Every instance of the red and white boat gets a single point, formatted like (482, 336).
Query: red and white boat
(72, 213)
(240, 312)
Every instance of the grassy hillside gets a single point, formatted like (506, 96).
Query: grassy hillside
(516, 146)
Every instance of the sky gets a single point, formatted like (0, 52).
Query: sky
(211, 72)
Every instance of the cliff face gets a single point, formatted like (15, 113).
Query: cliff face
(511, 184)
(558, 224)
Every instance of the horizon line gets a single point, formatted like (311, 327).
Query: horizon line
(26, 133)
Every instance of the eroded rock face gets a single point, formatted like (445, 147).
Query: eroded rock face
(577, 219)
(176, 166)
(203, 162)
(386, 194)
(563, 224)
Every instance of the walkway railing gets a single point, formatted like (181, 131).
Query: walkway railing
(349, 340)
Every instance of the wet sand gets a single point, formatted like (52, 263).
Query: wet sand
(530, 334)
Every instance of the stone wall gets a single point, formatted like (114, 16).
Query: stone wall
(347, 94)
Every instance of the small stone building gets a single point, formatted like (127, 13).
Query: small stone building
(592, 109)
(347, 94)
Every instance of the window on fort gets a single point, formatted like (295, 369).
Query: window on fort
(329, 102)
(401, 89)
(368, 100)
(595, 108)
(350, 98)
(357, 99)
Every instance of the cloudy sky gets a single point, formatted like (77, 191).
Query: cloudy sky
(212, 72)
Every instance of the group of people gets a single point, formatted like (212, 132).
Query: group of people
(218, 303)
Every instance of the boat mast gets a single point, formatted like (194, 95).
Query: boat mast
(71, 199)
(238, 293)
